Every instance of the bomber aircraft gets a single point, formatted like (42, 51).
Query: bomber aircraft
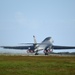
(46, 45)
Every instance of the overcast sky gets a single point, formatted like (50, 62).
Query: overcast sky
(21, 19)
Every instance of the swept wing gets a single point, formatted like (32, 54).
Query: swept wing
(16, 47)
(63, 47)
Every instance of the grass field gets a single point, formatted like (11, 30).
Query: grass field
(37, 65)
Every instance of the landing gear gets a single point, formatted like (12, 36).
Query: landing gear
(36, 53)
(46, 53)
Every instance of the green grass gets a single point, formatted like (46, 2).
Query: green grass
(37, 65)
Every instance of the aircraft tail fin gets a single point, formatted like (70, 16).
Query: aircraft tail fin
(35, 42)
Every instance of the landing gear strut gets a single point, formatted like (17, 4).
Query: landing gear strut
(36, 53)
(46, 53)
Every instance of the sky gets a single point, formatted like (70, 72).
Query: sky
(21, 19)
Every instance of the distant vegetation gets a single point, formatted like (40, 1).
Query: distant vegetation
(37, 65)
(53, 53)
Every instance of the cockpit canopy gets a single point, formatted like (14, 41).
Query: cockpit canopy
(46, 39)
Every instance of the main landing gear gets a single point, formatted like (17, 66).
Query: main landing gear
(46, 53)
(36, 53)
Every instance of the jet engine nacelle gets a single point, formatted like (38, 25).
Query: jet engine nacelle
(48, 50)
(30, 50)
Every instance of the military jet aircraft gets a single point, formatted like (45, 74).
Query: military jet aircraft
(46, 45)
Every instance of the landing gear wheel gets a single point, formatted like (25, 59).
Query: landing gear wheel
(46, 53)
(36, 53)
